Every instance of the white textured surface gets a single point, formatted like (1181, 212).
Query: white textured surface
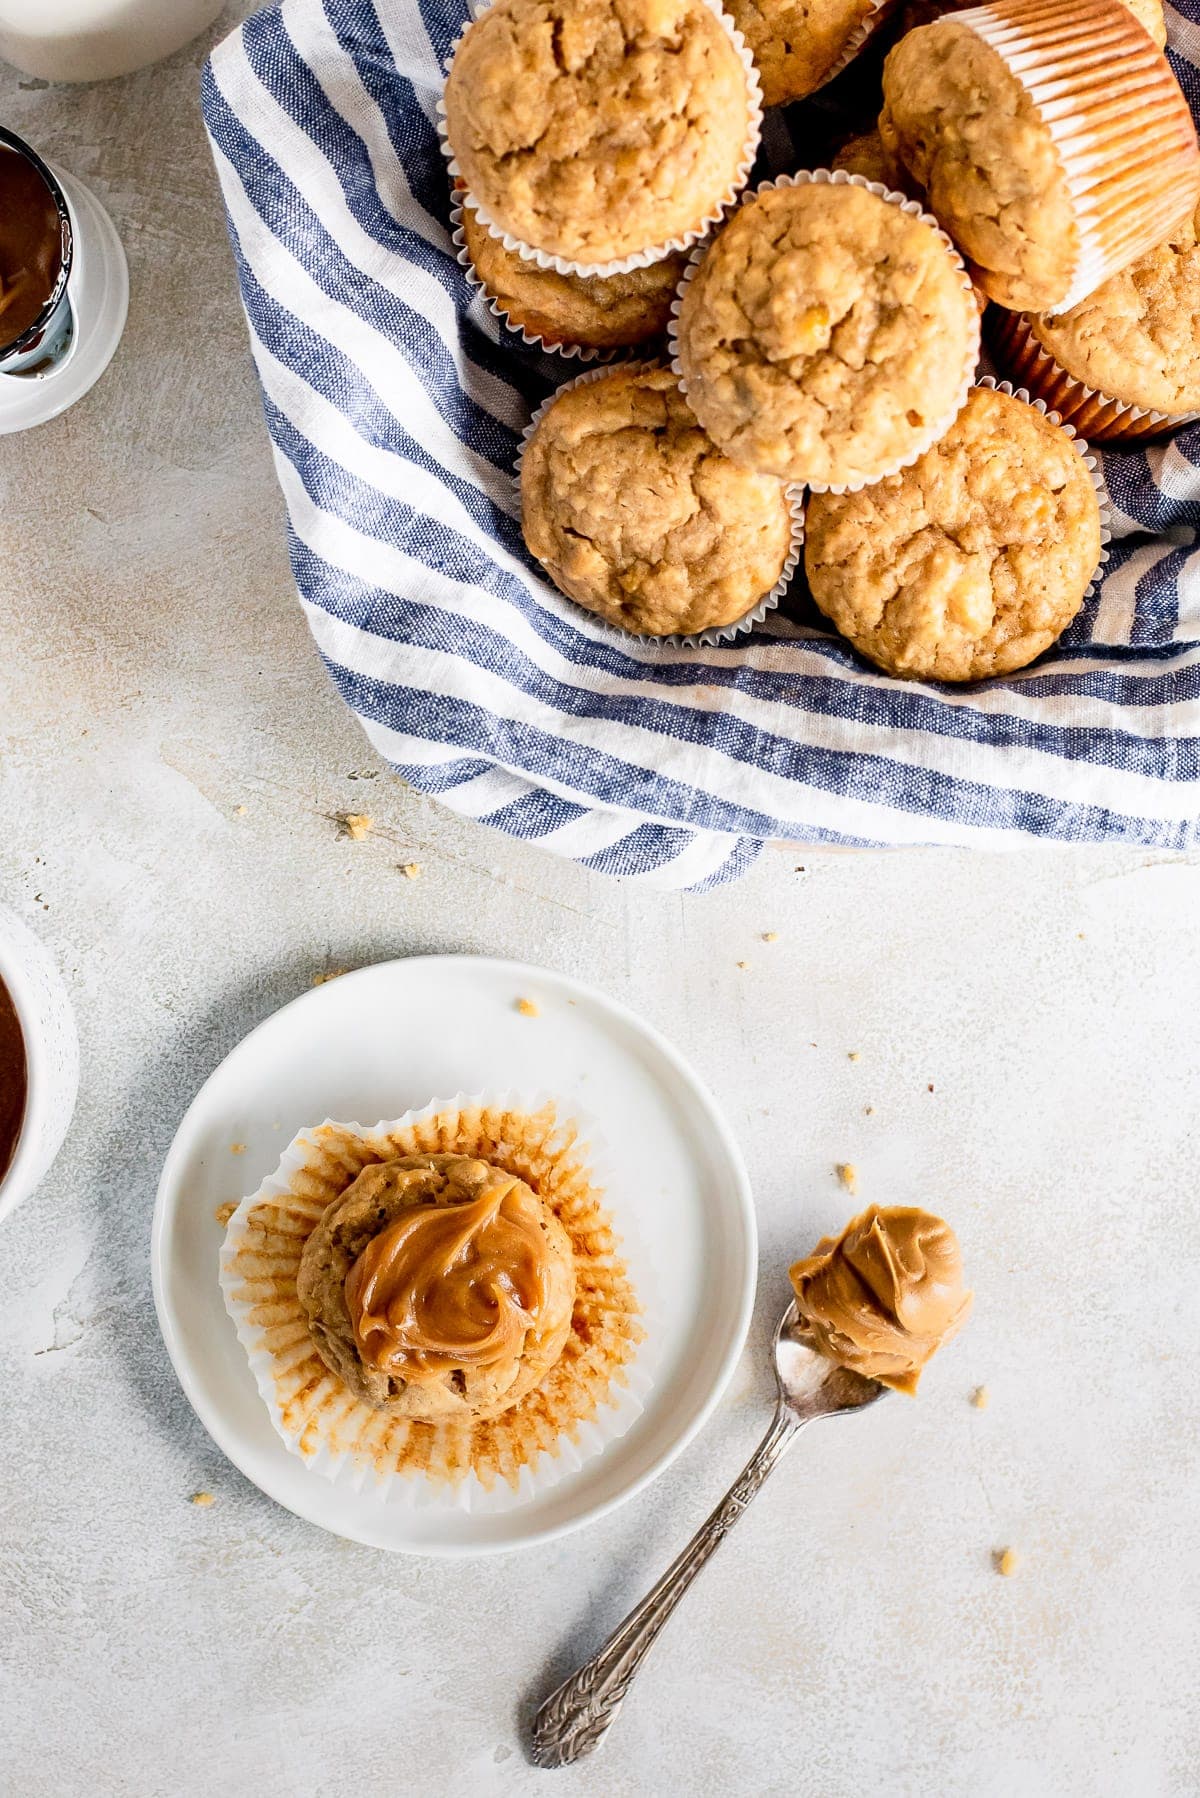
(852, 1638)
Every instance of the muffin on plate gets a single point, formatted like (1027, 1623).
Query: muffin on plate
(636, 514)
(438, 1299)
(1014, 120)
(827, 335)
(971, 562)
(1125, 363)
(590, 132)
(438, 1286)
(798, 45)
(595, 312)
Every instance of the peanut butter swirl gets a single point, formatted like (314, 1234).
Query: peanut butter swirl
(450, 1286)
(884, 1295)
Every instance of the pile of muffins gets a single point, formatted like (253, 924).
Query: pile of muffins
(816, 386)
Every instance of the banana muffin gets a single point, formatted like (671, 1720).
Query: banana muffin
(865, 155)
(796, 43)
(971, 562)
(827, 335)
(1022, 155)
(1132, 343)
(636, 515)
(438, 1287)
(594, 130)
(601, 312)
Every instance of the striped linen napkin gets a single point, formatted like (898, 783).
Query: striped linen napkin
(395, 403)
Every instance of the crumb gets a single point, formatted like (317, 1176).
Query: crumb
(1081, 936)
(356, 825)
(224, 1212)
(847, 1173)
(527, 1008)
(363, 774)
(868, 1111)
(410, 870)
(330, 974)
(853, 1055)
(203, 1498)
(744, 966)
(237, 1148)
(929, 1088)
(239, 811)
(800, 869)
(979, 1398)
(770, 936)
(1006, 1561)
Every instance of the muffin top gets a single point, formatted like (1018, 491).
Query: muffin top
(795, 43)
(597, 129)
(601, 311)
(825, 334)
(865, 155)
(969, 563)
(970, 136)
(1135, 339)
(635, 513)
(438, 1286)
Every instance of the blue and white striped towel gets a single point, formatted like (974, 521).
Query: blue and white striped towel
(395, 403)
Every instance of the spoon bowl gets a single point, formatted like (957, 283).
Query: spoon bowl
(810, 1385)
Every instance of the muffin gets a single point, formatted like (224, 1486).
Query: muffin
(827, 335)
(636, 515)
(439, 1301)
(971, 562)
(438, 1286)
(1013, 121)
(1125, 363)
(798, 44)
(592, 131)
(865, 155)
(884, 1295)
(598, 312)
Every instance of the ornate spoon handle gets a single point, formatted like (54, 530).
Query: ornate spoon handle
(573, 1719)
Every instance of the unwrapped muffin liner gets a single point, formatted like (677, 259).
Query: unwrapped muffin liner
(914, 209)
(1094, 415)
(654, 252)
(1116, 115)
(716, 634)
(589, 1398)
(1089, 462)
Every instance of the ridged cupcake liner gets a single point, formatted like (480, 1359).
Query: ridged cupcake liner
(581, 352)
(654, 252)
(589, 1398)
(1117, 117)
(716, 634)
(1096, 416)
(858, 40)
(1081, 449)
(914, 209)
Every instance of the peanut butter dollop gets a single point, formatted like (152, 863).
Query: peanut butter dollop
(450, 1286)
(884, 1295)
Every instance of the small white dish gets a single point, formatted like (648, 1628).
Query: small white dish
(386, 1038)
(47, 1023)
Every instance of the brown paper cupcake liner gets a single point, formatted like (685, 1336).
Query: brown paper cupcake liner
(1117, 117)
(653, 252)
(707, 639)
(1095, 416)
(914, 209)
(1081, 449)
(592, 1394)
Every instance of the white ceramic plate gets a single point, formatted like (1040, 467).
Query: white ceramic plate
(371, 1045)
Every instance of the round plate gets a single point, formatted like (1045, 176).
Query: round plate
(377, 1042)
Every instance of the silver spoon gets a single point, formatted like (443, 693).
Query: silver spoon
(573, 1719)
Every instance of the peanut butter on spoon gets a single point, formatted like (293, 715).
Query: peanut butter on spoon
(882, 1297)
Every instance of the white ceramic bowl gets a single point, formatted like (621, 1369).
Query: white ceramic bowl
(51, 1053)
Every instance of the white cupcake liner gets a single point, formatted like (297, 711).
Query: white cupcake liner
(580, 352)
(858, 40)
(716, 634)
(1085, 456)
(1094, 415)
(655, 252)
(321, 1438)
(914, 209)
(1089, 71)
